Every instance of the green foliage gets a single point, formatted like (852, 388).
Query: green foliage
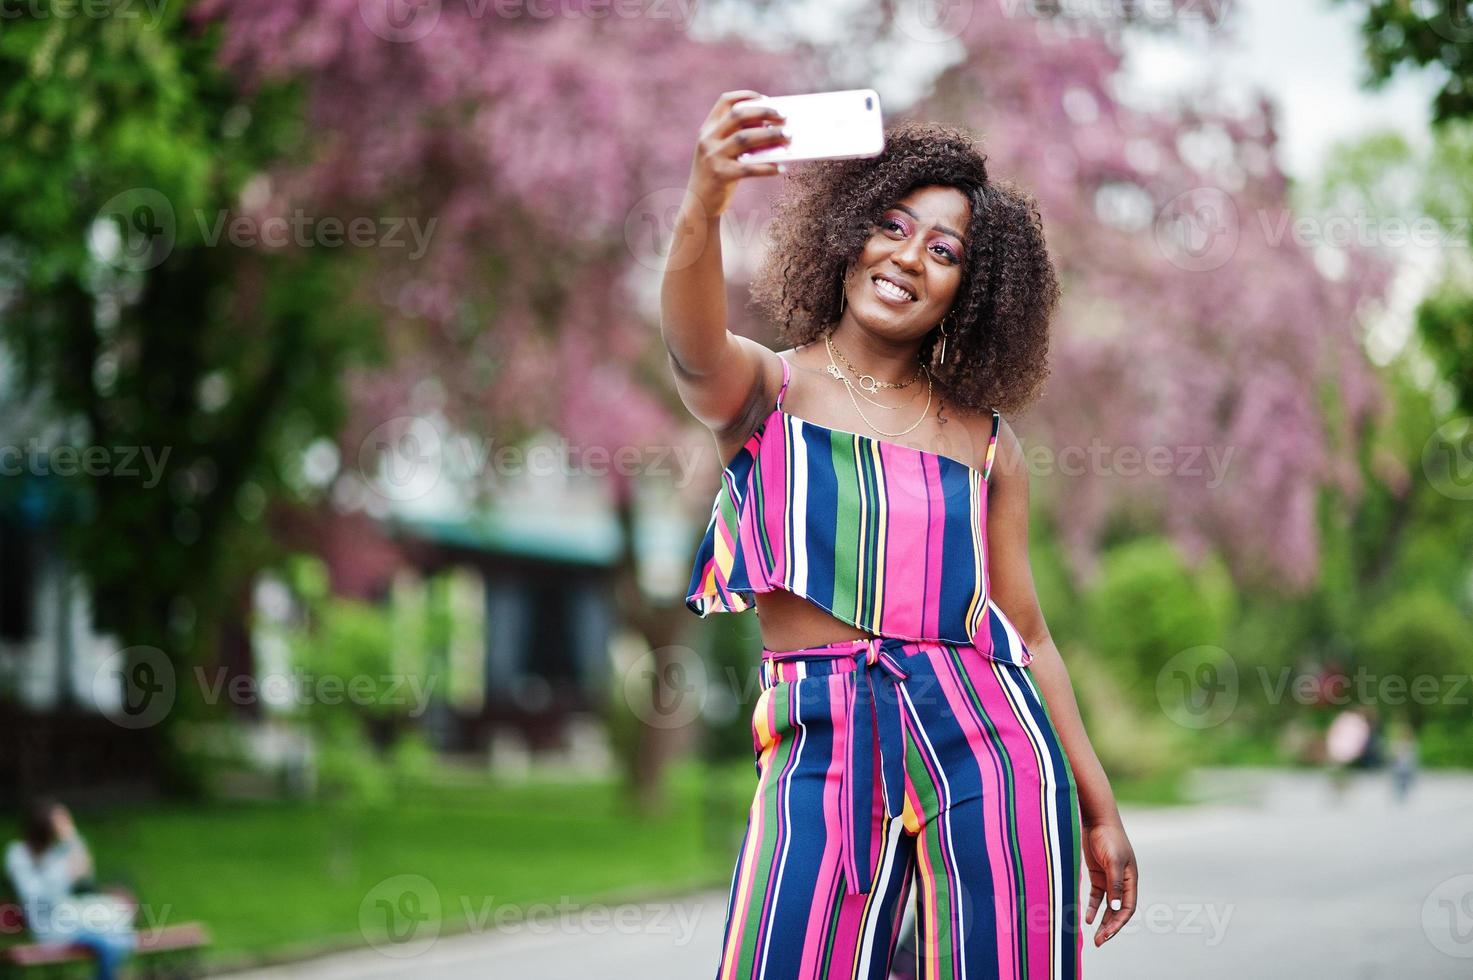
(1398, 34)
(1060, 602)
(733, 659)
(622, 726)
(1446, 742)
(1420, 640)
(362, 668)
(1147, 605)
(347, 767)
(1136, 743)
(1445, 327)
(412, 758)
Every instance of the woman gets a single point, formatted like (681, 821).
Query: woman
(46, 868)
(908, 730)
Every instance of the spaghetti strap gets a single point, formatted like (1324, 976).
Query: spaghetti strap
(991, 444)
(786, 375)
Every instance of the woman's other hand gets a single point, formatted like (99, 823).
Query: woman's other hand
(1112, 876)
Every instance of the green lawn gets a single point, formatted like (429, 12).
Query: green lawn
(273, 880)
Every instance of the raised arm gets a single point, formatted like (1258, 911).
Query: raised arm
(719, 375)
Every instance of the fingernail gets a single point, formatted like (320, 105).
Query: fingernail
(1115, 904)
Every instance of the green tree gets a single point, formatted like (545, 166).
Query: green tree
(138, 327)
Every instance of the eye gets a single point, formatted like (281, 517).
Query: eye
(890, 224)
(947, 251)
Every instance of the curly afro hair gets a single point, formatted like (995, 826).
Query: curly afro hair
(1008, 291)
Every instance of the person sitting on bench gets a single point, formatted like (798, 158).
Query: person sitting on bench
(49, 868)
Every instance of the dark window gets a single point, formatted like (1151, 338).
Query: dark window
(550, 653)
(17, 580)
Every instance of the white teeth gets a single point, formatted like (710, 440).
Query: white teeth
(890, 289)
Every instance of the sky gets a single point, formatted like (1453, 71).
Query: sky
(1307, 55)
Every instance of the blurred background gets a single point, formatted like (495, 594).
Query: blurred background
(347, 506)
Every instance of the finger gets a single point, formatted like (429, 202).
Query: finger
(722, 107)
(1095, 894)
(762, 169)
(747, 140)
(727, 100)
(1127, 898)
(746, 117)
(738, 169)
(1118, 914)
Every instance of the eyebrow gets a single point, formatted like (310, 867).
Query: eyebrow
(941, 228)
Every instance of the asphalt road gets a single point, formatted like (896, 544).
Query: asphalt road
(1279, 877)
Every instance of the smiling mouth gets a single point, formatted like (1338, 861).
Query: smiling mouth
(888, 290)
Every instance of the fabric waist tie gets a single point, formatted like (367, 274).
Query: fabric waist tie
(873, 725)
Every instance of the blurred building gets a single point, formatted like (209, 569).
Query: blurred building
(520, 678)
(528, 580)
(54, 732)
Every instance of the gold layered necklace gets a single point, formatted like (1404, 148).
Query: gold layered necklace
(867, 381)
(849, 387)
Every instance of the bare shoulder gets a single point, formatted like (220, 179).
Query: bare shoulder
(976, 430)
(1007, 460)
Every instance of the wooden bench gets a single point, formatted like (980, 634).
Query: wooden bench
(167, 952)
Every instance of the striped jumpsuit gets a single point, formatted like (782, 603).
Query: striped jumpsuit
(924, 757)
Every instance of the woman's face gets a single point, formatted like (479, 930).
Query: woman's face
(918, 245)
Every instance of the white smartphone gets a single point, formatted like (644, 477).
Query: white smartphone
(824, 126)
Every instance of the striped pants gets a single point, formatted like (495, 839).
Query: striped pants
(881, 763)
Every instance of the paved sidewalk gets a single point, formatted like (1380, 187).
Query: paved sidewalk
(1280, 879)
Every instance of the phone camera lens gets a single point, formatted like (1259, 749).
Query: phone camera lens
(869, 103)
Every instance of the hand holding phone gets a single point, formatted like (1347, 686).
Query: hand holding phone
(733, 127)
(825, 126)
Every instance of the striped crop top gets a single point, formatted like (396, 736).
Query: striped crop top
(886, 537)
